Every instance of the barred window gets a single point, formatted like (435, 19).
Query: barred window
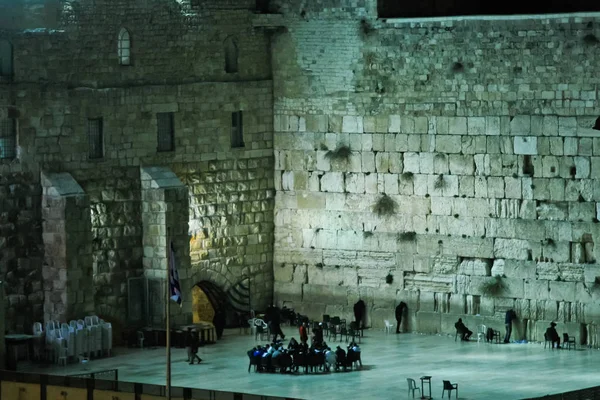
(237, 129)
(231, 56)
(6, 59)
(166, 131)
(8, 139)
(95, 138)
(124, 47)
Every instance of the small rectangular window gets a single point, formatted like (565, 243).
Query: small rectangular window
(166, 131)
(95, 138)
(8, 138)
(237, 129)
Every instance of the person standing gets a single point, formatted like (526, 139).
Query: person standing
(508, 319)
(359, 313)
(399, 313)
(303, 333)
(194, 348)
(189, 339)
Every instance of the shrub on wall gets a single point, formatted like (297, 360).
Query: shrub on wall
(493, 286)
(385, 206)
(407, 236)
(342, 153)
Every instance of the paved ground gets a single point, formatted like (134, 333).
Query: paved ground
(483, 371)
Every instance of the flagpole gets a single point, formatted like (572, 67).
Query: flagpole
(167, 312)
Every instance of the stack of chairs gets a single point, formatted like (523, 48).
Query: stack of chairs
(39, 339)
(68, 336)
(95, 335)
(106, 328)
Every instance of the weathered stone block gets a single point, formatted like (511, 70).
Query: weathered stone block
(537, 290)
(512, 248)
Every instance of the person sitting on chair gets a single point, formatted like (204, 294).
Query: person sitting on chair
(552, 335)
(464, 332)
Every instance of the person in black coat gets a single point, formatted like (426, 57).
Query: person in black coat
(552, 335)
(400, 308)
(464, 332)
(508, 319)
(194, 348)
(359, 313)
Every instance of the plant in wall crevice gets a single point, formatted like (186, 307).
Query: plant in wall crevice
(341, 153)
(385, 206)
(367, 234)
(389, 279)
(440, 183)
(407, 176)
(590, 39)
(407, 236)
(493, 286)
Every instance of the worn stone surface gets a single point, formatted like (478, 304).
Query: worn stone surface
(492, 178)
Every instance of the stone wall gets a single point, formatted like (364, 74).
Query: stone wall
(67, 72)
(480, 131)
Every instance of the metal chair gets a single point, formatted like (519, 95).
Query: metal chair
(567, 341)
(412, 386)
(450, 387)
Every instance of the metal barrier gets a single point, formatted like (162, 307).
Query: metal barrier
(592, 393)
(25, 386)
(108, 375)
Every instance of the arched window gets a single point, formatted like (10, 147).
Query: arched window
(124, 47)
(6, 59)
(231, 56)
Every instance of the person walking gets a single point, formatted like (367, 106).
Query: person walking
(399, 313)
(189, 339)
(508, 319)
(194, 348)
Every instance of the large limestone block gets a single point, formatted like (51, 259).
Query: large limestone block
(283, 272)
(562, 291)
(536, 290)
(461, 164)
(327, 294)
(412, 162)
(332, 182)
(547, 271)
(287, 292)
(299, 256)
(340, 276)
(445, 265)
(512, 248)
(469, 247)
(470, 266)
(343, 258)
(377, 260)
(352, 124)
(555, 211)
(572, 272)
(429, 322)
(429, 283)
(525, 145)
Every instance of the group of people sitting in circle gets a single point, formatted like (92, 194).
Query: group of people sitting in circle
(318, 357)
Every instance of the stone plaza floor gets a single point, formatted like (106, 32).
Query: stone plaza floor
(482, 370)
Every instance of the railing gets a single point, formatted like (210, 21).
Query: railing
(24, 386)
(108, 375)
(592, 393)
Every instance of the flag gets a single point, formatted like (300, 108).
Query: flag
(174, 278)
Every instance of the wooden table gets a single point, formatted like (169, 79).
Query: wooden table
(207, 331)
(18, 340)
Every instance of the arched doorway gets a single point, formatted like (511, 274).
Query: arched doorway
(212, 304)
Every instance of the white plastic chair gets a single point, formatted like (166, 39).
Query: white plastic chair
(68, 335)
(39, 339)
(95, 336)
(51, 337)
(106, 329)
(61, 352)
(481, 332)
(388, 326)
(259, 323)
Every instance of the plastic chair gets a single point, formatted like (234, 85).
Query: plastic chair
(69, 337)
(262, 328)
(567, 341)
(39, 338)
(140, 338)
(106, 329)
(412, 386)
(481, 332)
(388, 326)
(450, 387)
(61, 352)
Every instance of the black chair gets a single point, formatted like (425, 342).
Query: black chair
(450, 387)
(567, 341)
(548, 341)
